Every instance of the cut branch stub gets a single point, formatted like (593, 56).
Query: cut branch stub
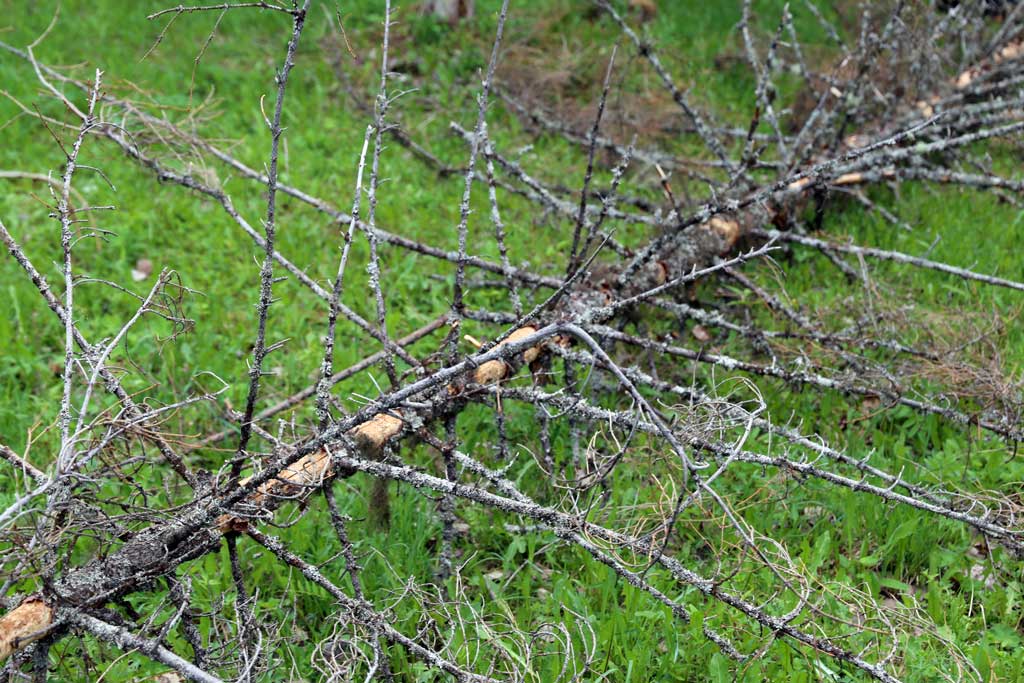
(308, 473)
(24, 625)
(728, 230)
(496, 370)
(369, 438)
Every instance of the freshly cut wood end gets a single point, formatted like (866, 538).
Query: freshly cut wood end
(495, 370)
(373, 434)
(293, 481)
(490, 372)
(530, 354)
(966, 78)
(310, 471)
(849, 179)
(661, 272)
(307, 471)
(22, 625)
(728, 230)
(798, 184)
(857, 178)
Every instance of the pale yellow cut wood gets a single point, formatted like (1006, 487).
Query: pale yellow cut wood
(308, 472)
(22, 625)
(495, 370)
(728, 230)
(374, 433)
(799, 184)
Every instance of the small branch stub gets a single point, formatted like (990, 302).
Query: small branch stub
(24, 624)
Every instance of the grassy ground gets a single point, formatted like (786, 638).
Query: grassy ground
(865, 545)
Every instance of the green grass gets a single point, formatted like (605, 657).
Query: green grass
(856, 540)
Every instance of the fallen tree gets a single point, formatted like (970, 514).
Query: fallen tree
(558, 325)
